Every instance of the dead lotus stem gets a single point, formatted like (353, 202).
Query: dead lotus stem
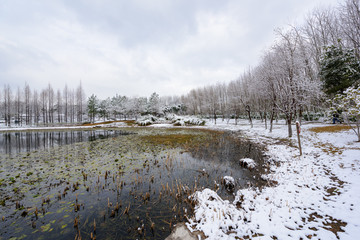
(112, 214)
(76, 222)
(117, 207)
(126, 211)
(152, 226)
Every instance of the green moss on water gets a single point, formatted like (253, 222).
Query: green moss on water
(45, 227)
(12, 180)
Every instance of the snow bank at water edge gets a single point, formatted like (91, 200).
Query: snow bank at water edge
(317, 195)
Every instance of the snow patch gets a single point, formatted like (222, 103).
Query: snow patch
(248, 163)
(214, 216)
(229, 183)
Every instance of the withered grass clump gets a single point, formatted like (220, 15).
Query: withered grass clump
(335, 128)
(128, 122)
(169, 140)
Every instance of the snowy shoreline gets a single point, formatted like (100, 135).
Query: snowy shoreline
(317, 194)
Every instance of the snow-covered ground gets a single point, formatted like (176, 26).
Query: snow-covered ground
(317, 195)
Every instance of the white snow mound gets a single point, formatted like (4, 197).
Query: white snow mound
(248, 163)
(214, 216)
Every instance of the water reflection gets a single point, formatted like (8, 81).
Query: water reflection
(16, 142)
(132, 187)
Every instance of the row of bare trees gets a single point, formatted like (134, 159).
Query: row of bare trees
(286, 82)
(27, 107)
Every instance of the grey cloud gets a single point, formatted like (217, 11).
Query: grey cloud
(136, 47)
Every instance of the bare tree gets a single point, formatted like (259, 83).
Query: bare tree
(44, 106)
(350, 24)
(59, 106)
(66, 102)
(27, 96)
(7, 104)
(36, 107)
(51, 108)
(18, 107)
(80, 99)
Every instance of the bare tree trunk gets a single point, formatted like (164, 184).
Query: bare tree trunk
(288, 121)
(271, 120)
(27, 104)
(247, 108)
(59, 106)
(265, 120)
(7, 105)
(66, 103)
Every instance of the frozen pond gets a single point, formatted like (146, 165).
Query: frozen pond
(117, 185)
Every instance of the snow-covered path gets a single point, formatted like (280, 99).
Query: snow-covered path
(317, 195)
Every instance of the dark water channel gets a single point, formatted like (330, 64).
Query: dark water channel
(122, 186)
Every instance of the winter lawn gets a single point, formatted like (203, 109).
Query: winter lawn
(317, 195)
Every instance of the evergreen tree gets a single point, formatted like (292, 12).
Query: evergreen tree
(92, 107)
(339, 69)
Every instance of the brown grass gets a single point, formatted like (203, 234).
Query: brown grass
(334, 128)
(169, 140)
(128, 122)
(329, 148)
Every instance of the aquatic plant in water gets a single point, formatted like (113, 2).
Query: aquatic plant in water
(129, 186)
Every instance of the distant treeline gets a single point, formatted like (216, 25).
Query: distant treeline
(25, 106)
(48, 106)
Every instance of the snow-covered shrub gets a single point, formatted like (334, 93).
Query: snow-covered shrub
(194, 121)
(229, 183)
(247, 163)
(185, 120)
(349, 104)
(146, 120)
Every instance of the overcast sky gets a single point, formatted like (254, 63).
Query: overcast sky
(138, 47)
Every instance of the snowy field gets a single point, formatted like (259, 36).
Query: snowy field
(317, 195)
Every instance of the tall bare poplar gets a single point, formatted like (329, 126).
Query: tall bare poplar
(27, 97)
(59, 106)
(66, 103)
(80, 99)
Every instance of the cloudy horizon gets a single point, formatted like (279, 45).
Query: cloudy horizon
(134, 48)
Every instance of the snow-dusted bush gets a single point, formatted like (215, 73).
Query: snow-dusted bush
(247, 163)
(229, 183)
(171, 118)
(349, 104)
(146, 120)
(185, 120)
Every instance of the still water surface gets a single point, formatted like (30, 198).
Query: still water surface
(22, 141)
(129, 184)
